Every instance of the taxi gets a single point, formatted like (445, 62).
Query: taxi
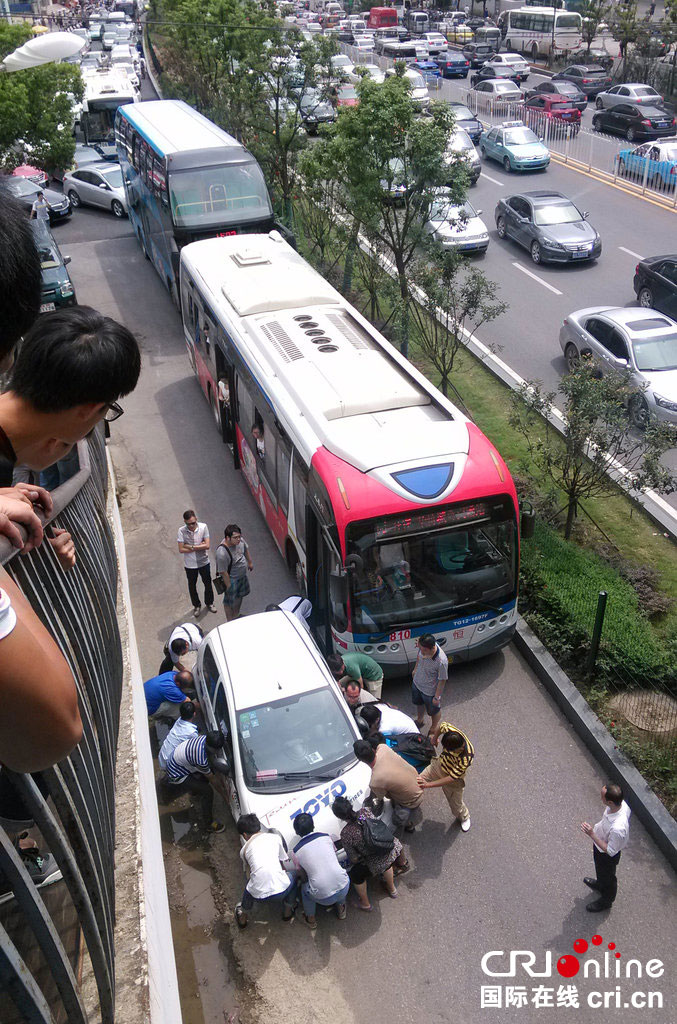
(289, 733)
(515, 146)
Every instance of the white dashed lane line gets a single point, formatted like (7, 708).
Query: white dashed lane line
(630, 252)
(535, 277)
(496, 181)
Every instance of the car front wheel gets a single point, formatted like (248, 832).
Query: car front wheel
(599, 104)
(506, 165)
(74, 199)
(117, 208)
(500, 227)
(536, 252)
(572, 357)
(646, 298)
(630, 135)
(638, 412)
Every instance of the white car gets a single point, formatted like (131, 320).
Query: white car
(630, 92)
(417, 86)
(496, 91)
(514, 61)
(341, 63)
(289, 732)
(460, 149)
(363, 44)
(435, 42)
(456, 227)
(372, 71)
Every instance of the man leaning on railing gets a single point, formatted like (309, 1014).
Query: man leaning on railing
(72, 367)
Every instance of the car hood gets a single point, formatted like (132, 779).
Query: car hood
(664, 382)
(470, 156)
(322, 109)
(462, 229)
(55, 198)
(577, 233)
(529, 150)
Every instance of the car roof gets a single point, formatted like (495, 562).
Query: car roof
(626, 315)
(542, 197)
(99, 165)
(266, 657)
(589, 67)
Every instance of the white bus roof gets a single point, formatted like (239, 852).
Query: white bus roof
(105, 84)
(175, 127)
(351, 391)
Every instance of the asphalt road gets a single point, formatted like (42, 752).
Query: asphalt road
(514, 881)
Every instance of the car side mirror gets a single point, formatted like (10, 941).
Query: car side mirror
(479, 212)
(103, 185)
(67, 260)
(586, 214)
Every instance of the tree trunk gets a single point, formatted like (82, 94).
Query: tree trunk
(347, 285)
(404, 293)
(571, 516)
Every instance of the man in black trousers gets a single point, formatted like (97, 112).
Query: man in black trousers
(609, 836)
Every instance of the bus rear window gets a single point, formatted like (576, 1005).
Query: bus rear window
(210, 196)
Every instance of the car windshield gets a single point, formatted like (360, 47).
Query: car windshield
(654, 354)
(412, 570)
(444, 209)
(504, 87)
(460, 141)
(347, 92)
(564, 213)
(49, 257)
(567, 87)
(341, 61)
(113, 177)
(417, 81)
(519, 137)
(668, 153)
(297, 738)
(463, 114)
(211, 196)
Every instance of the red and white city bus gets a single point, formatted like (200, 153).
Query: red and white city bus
(393, 510)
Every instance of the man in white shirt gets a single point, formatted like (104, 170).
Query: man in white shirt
(193, 541)
(389, 721)
(183, 729)
(265, 860)
(182, 639)
(325, 882)
(298, 606)
(40, 208)
(609, 836)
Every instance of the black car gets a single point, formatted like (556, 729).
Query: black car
(590, 78)
(57, 288)
(549, 226)
(489, 72)
(26, 192)
(452, 64)
(635, 121)
(567, 90)
(655, 284)
(465, 119)
(478, 53)
(600, 57)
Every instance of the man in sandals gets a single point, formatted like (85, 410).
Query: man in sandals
(265, 862)
(323, 880)
(448, 770)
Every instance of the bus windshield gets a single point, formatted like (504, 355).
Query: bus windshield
(210, 196)
(415, 577)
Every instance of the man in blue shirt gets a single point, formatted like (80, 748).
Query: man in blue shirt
(166, 693)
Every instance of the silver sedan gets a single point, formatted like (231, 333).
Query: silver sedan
(642, 341)
(629, 92)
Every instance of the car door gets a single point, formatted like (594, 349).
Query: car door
(663, 282)
(490, 142)
(599, 338)
(619, 117)
(87, 187)
(610, 96)
(636, 160)
(100, 196)
(535, 113)
(512, 216)
(524, 222)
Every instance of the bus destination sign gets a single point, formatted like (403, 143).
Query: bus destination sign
(422, 521)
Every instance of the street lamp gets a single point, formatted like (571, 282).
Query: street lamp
(43, 50)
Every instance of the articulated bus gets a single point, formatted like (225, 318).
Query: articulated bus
(396, 515)
(185, 179)
(530, 30)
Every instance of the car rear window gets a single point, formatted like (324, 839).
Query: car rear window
(560, 106)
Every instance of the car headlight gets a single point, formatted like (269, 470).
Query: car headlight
(664, 403)
(66, 290)
(551, 244)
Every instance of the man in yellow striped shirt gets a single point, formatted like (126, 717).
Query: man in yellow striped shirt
(448, 770)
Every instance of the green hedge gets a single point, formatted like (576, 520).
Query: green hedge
(560, 584)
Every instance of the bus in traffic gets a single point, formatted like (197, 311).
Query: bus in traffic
(185, 179)
(382, 17)
(538, 31)
(394, 512)
(105, 91)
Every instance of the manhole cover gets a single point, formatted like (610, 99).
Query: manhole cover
(651, 712)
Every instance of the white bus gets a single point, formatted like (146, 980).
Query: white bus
(530, 30)
(393, 510)
(105, 91)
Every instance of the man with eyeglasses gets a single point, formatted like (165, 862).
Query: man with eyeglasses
(193, 542)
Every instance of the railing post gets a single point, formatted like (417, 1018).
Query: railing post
(597, 631)
(592, 142)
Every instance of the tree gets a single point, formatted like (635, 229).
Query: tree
(595, 432)
(625, 27)
(593, 12)
(36, 116)
(454, 299)
(389, 162)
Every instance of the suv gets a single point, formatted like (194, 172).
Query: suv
(590, 78)
(478, 53)
(514, 61)
(56, 288)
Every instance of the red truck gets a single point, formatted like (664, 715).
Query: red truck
(382, 17)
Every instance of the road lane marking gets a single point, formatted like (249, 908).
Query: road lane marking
(496, 181)
(559, 160)
(537, 278)
(630, 252)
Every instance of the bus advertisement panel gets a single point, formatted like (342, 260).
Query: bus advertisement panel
(185, 179)
(396, 515)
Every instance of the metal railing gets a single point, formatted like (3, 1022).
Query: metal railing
(44, 932)
(646, 171)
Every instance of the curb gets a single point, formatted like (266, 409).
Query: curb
(658, 822)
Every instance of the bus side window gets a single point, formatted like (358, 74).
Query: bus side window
(136, 162)
(264, 443)
(299, 483)
(283, 470)
(245, 410)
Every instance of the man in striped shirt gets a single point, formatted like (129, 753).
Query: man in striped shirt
(448, 770)
(192, 767)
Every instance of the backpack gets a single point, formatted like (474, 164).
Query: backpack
(376, 836)
(417, 750)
